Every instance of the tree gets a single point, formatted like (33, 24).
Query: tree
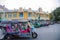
(56, 14)
(0, 17)
(51, 17)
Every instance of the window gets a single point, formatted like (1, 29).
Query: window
(15, 15)
(29, 14)
(9, 15)
(21, 14)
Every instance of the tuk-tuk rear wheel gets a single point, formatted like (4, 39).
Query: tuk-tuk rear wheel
(34, 35)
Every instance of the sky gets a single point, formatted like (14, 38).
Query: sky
(46, 5)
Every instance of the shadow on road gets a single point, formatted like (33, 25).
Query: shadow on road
(22, 38)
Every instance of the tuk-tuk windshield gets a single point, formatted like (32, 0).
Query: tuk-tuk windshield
(31, 25)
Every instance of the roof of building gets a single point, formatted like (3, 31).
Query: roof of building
(19, 10)
(1, 7)
(11, 10)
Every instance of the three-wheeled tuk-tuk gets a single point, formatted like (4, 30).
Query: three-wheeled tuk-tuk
(18, 28)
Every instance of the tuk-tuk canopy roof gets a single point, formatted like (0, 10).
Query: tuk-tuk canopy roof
(14, 21)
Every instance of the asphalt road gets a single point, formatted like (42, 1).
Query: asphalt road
(50, 32)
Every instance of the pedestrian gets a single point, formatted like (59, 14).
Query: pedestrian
(28, 28)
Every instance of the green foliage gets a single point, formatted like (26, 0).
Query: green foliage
(51, 16)
(0, 18)
(56, 13)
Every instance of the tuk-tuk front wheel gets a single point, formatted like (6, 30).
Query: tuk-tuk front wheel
(34, 35)
(7, 37)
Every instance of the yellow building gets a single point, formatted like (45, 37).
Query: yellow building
(41, 15)
(45, 16)
(22, 14)
(18, 14)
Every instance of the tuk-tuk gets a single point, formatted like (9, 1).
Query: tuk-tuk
(21, 28)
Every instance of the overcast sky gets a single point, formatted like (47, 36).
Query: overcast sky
(46, 5)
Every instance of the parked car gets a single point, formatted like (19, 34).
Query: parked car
(52, 22)
(44, 23)
(18, 28)
(58, 22)
(36, 24)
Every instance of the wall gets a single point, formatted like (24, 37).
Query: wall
(25, 15)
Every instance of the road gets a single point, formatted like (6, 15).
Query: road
(47, 33)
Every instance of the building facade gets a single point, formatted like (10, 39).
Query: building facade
(22, 14)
